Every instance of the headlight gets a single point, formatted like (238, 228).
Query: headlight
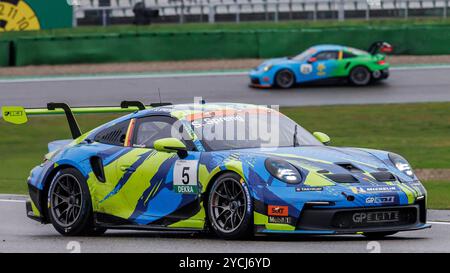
(267, 68)
(283, 170)
(401, 164)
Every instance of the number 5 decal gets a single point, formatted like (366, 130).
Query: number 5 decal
(185, 176)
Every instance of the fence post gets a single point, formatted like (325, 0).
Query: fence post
(290, 9)
(341, 10)
(315, 11)
(445, 8)
(406, 9)
(266, 12)
(74, 16)
(238, 13)
(212, 13)
(104, 20)
(182, 12)
(367, 11)
(277, 6)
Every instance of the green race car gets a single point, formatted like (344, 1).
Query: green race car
(325, 63)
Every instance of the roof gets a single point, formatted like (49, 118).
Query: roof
(328, 47)
(186, 111)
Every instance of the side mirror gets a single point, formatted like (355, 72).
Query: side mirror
(312, 60)
(322, 137)
(171, 145)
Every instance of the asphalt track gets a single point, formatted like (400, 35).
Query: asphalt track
(411, 84)
(20, 234)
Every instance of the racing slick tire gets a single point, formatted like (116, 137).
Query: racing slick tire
(378, 235)
(360, 76)
(230, 208)
(70, 206)
(284, 79)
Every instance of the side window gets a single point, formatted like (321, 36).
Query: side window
(348, 55)
(114, 135)
(150, 129)
(327, 55)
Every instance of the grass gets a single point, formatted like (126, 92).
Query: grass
(23, 147)
(420, 132)
(438, 194)
(87, 30)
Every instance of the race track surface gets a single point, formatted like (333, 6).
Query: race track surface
(405, 85)
(20, 234)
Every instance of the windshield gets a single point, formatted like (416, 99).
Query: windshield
(305, 54)
(250, 129)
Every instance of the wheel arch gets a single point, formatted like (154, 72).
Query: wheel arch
(213, 179)
(284, 67)
(43, 199)
(356, 64)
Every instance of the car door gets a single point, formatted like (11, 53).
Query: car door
(152, 176)
(322, 65)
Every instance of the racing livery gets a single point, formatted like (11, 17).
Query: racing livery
(324, 63)
(153, 169)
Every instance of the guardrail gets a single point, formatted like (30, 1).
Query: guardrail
(272, 9)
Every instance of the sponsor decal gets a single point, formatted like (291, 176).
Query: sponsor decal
(380, 200)
(280, 220)
(299, 189)
(376, 217)
(277, 210)
(306, 68)
(216, 121)
(185, 176)
(13, 113)
(321, 69)
(373, 189)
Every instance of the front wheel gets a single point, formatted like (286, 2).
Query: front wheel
(285, 78)
(70, 206)
(360, 76)
(230, 208)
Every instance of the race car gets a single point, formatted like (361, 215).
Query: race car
(324, 63)
(204, 167)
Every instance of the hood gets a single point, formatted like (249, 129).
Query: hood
(341, 165)
(273, 62)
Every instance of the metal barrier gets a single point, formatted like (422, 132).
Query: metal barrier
(270, 8)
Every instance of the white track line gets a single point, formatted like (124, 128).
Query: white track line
(12, 201)
(170, 75)
(439, 223)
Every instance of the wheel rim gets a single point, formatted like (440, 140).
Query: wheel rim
(66, 198)
(360, 76)
(285, 79)
(228, 205)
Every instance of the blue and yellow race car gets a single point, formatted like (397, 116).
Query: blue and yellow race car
(203, 167)
(325, 63)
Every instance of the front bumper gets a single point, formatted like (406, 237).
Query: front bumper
(260, 79)
(328, 221)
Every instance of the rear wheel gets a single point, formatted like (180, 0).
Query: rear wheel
(378, 235)
(70, 206)
(360, 76)
(230, 209)
(285, 78)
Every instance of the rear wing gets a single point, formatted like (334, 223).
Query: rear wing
(19, 114)
(380, 47)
